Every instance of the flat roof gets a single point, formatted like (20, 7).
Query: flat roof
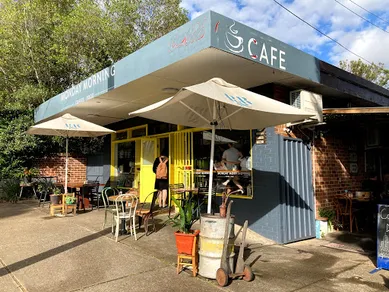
(211, 45)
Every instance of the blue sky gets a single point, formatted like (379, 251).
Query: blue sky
(329, 16)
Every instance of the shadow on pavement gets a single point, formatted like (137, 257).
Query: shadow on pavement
(15, 209)
(52, 252)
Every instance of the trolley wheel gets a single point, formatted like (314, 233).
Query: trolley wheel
(248, 274)
(221, 277)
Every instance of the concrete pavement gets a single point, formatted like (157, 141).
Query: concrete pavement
(41, 253)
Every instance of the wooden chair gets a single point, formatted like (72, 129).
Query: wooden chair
(344, 212)
(182, 259)
(55, 207)
(67, 207)
(146, 211)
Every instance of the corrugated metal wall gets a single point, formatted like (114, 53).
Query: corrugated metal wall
(297, 203)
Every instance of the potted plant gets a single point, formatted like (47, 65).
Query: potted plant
(55, 196)
(184, 220)
(70, 200)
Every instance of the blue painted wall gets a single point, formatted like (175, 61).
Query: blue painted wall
(264, 210)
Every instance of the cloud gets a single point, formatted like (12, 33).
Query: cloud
(330, 17)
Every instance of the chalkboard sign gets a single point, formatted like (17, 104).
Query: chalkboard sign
(383, 237)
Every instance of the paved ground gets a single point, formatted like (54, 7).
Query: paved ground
(40, 253)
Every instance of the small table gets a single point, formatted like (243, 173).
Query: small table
(31, 185)
(123, 230)
(83, 187)
(190, 192)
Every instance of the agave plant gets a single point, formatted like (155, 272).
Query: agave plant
(185, 219)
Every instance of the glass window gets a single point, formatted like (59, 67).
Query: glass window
(141, 132)
(121, 135)
(125, 163)
(148, 152)
(232, 161)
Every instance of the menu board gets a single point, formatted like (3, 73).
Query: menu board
(383, 237)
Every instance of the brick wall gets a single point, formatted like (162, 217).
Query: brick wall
(55, 166)
(334, 149)
(333, 155)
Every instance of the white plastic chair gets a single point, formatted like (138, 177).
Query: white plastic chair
(126, 205)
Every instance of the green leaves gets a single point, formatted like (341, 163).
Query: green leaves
(185, 219)
(372, 72)
(46, 46)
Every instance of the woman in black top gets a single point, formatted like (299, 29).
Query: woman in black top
(161, 184)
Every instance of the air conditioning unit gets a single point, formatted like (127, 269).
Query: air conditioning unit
(309, 102)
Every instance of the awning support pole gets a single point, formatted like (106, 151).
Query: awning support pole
(213, 124)
(66, 166)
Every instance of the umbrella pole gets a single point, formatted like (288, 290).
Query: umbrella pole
(214, 123)
(66, 166)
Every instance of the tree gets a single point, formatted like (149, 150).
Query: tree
(372, 72)
(48, 45)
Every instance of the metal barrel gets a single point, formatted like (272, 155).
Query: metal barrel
(211, 244)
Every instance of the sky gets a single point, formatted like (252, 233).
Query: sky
(330, 17)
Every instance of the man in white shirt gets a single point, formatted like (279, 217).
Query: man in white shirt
(231, 156)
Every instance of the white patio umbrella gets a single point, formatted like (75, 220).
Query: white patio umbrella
(207, 136)
(68, 126)
(216, 103)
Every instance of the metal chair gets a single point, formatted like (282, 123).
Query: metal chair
(126, 205)
(47, 183)
(94, 194)
(146, 211)
(108, 207)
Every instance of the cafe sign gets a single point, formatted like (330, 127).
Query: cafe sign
(88, 84)
(236, 38)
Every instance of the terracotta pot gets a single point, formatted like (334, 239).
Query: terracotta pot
(223, 211)
(184, 242)
(54, 199)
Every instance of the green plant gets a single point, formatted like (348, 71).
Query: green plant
(9, 190)
(56, 191)
(46, 186)
(27, 173)
(70, 200)
(185, 218)
(328, 213)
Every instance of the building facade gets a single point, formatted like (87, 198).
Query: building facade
(295, 169)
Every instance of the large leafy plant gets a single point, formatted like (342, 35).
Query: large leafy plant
(185, 219)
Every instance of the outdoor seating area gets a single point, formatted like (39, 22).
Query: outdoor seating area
(356, 211)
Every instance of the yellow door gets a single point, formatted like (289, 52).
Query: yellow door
(147, 176)
(182, 158)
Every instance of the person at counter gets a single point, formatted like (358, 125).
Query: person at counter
(231, 160)
(161, 168)
(231, 157)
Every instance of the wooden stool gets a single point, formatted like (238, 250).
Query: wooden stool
(66, 207)
(54, 207)
(194, 259)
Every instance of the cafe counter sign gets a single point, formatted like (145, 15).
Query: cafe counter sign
(258, 48)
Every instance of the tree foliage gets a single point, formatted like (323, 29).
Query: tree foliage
(375, 73)
(48, 45)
